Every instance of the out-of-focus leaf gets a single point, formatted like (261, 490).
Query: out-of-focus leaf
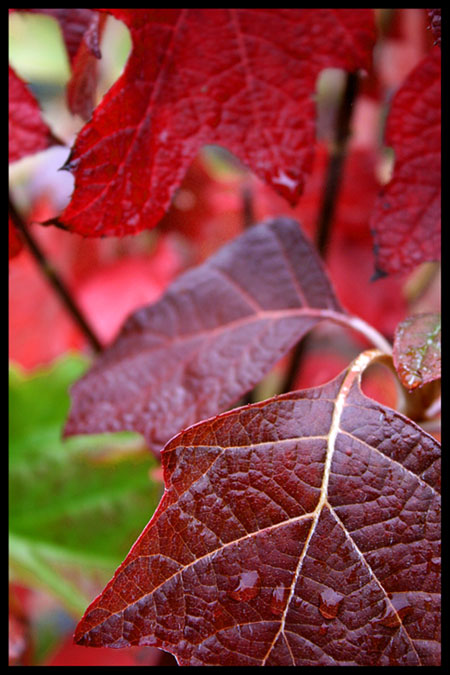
(435, 24)
(417, 350)
(406, 219)
(81, 90)
(75, 506)
(20, 646)
(14, 242)
(28, 133)
(302, 530)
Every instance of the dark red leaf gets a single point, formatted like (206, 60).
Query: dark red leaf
(19, 634)
(303, 530)
(241, 78)
(28, 133)
(406, 220)
(417, 350)
(218, 329)
(435, 24)
(14, 241)
(81, 90)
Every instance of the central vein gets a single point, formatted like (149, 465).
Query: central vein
(357, 367)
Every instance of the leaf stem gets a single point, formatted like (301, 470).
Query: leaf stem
(53, 278)
(330, 193)
(336, 161)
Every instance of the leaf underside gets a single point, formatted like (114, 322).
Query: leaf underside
(303, 530)
(217, 331)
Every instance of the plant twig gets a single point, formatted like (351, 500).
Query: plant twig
(330, 193)
(336, 161)
(248, 212)
(53, 278)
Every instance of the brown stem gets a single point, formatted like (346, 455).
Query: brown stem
(335, 164)
(54, 279)
(248, 211)
(330, 193)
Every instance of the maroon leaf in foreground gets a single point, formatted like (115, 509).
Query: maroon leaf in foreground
(215, 333)
(241, 78)
(417, 350)
(406, 220)
(303, 530)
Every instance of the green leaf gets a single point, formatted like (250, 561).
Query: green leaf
(76, 505)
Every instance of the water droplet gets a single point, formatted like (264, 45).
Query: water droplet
(278, 601)
(247, 588)
(395, 610)
(329, 603)
(323, 629)
(434, 565)
(287, 185)
(412, 380)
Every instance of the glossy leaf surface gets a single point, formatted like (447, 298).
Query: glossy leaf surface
(241, 78)
(302, 530)
(406, 220)
(417, 350)
(217, 330)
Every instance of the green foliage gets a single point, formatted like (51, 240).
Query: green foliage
(76, 505)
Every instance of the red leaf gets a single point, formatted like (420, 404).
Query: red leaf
(14, 241)
(40, 329)
(113, 291)
(417, 350)
(69, 654)
(435, 24)
(303, 530)
(28, 133)
(241, 78)
(19, 633)
(406, 220)
(81, 89)
(218, 329)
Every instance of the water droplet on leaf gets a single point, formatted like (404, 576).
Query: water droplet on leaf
(247, 588)
(278, 601)
(395, 610)
(329, 603)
